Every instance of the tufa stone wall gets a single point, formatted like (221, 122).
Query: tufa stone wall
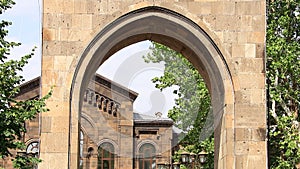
(231, 59)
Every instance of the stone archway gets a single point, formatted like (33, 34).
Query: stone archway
(181, 34)
(223, 39)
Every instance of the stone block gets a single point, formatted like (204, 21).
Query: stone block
(57, 107)
(217, 8)
(256, 37)
(59, 93)
(229, 135)
(250, 50)
(260, 50)
(241, 148)
(242, 96)
(246, 23)
(126, 123)
(251, 161)
(248, 7)
(245, 65)
(242, 134)
(98, 20)
(258, 134)
(227, 49)
(92, 7)
(228, 148)
(52, 48)
(238, 50)
(257, 21)
(64, 34)
(229, 161)
(76, 21)
(229, 120)
(73, 50)
(48, 162)
(220, 35)
(60, 123)
(80, 6)
(103, 7)
(257, 160)
(53, 6)
(203, 8)
(138, 5)
(47, 63)
(46, 124)
(60, 63)
(252, 80)
(49, 34)
(210, 20)
(57, 145)
(112, 7)
(46, 89)
(250, 115)
(228, 22)
(87, 21)
(242, 37)
(50, 20)
(239, 161)
(230, 37)
(72, 35)
(257, 96)
(229, 8)
(68, 6)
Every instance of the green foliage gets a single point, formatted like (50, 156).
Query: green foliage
(23, 162)
(285, 143)
(6, 4)
(192, 104)
(14, 113)
(283, 72)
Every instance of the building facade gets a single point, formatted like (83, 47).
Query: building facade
(111, 135)
(223, 39)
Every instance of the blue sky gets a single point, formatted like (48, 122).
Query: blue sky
(26, 28)
(26, 18)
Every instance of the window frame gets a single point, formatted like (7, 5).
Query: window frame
(145, 156)
(106, 152)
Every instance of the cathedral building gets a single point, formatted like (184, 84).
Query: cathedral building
(112, 136)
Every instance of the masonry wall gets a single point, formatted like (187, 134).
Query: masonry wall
(103, 121)
(162, 140)
(236, 27)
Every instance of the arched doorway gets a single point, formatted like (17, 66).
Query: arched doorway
(175, 31)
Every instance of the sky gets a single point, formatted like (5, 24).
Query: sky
(26, 28)
(130, 70)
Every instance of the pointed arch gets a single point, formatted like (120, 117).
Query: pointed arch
(175, 31)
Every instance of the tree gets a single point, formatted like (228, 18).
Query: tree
(283, 72)
(192, 104)
(14, 113)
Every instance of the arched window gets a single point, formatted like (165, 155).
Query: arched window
(106, 156)
(147, 156)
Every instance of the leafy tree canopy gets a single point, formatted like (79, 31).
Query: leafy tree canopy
(14, 113)
(192, 105)
(283, 72)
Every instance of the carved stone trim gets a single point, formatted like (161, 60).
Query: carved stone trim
(102, 102)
